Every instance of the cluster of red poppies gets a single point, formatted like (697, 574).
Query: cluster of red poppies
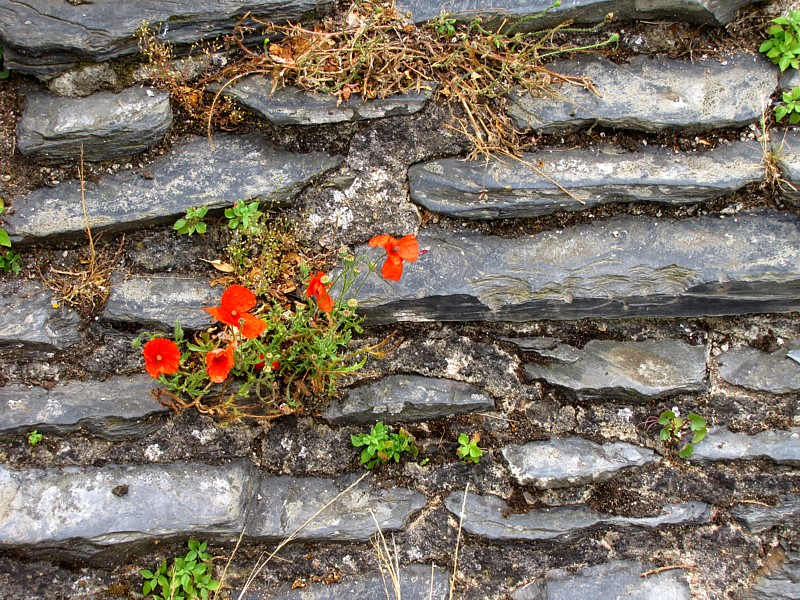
(162, 356)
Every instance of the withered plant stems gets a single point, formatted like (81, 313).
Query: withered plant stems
(458, 542)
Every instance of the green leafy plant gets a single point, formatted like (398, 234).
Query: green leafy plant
(790, 106)
(245, 217)
(381, 446)
(444, 24)
(186, 578)
(192, 222)
(468, 450)
(675, 430)
(10, 262)
(783, 45)
(34, 437)
(5, 73)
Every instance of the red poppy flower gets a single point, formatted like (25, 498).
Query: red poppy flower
(219, 363)
(397, 251)
(236, 301)
(259, 366)
(161, 357)
(318, 290)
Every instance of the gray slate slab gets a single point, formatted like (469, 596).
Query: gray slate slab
(293, 106)
(416, 581)
(489, 517)
(74, 513)
(652, 95)
(759, 518)
(712, 12)
(407, 398)
(628, 267)
(112, 409)
(106, 125)
(160, 301)
(635, 371)
(285, 503)
(48, 36)
(782, 583)
(563, 462)
(780, 446)
(762, 371)
(609, 581)
(28, 321)
(192, 174)
(504, 188)
(786, 147)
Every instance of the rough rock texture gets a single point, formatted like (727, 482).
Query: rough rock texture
(84, 80)
(786, 147)
(713, 12)
(106, 125)
(293, 106)
(631, 370)
(505, 188)
(416, 581)
(762, 371)
(28, 321)
(652, 95)
(618, 268)
(759, 518)
(488, 517)
(238, 168)
(112, 409)
(782, 583)
(76, 513)
(407, 398)
(783, 447)
(563, 462)
(609, 581)
(160, 301)
(49, 36)
(286, 503)
(790, 79)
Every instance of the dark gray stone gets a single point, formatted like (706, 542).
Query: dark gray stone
(584, 12)
(489, 517)
(759, 518)
(416, 581)
(786, 150)
(789, 80)
(238, 168)
(29, 321)
(535, 185)
(632, 370)
(113, 409)
(407, 398)
(652, 95)
(761, 371)
(782, 583)
(48, 36)
(780, 446)
(106, 125)
(285, 503)
(160, 301)
(293, 106)
(562, 462)
(627, 267)
(611, 581)
(73, 513)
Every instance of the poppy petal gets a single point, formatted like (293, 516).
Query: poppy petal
(219, 362)
(325, 302)
(382, 240)
(251, 326)
(408, 248)
(161, 357)
(238, 298)
(392, 268)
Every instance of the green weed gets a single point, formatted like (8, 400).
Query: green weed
(192, 222)
(468, 450)
(381, 447)
(790, 106)
(34, 437)
(783, 46)
(186, 578)
(674, 430)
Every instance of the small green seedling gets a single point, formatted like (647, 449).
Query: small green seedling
(790, 106)
(34, 437)
(674, 429)
(10, 262)
(380, 446)
(192, 222)
(244, 217)
(783, 46)
(188, 577)
(468, 450)
(5, 73)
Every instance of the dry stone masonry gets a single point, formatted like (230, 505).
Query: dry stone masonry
(563, 301)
